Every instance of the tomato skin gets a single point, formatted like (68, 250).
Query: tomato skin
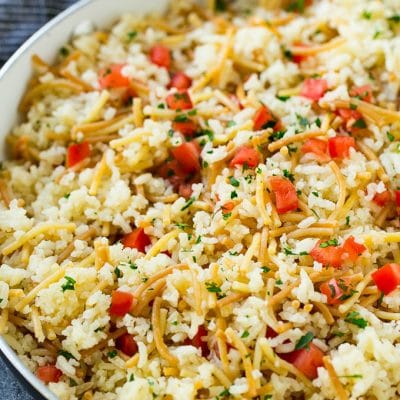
(136, 239)
(387, 278)
(228, 207)
(245, 155)
(381, 199)
(112, 77)
(352, 248)
(187, 128)
(179, 101)
(172, 171)
(185, 190)
(126, 343)
(285, 194)
(187, 154)
(332, 291)
(306, 360)
(199, 341)
(76, 153)
(161, 56)
(121, 303)
(318, 147)
(270, 333)
(363, 92)
(339, 146)
(48, 373)
(314, 89)
(264, 119)
(347, 114)
(327, 256)
(180, 81)
(397, 197)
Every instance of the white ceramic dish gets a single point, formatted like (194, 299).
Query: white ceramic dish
(14, 77)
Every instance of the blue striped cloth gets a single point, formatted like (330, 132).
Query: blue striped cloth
(20, 18)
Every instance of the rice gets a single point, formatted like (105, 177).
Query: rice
(217, 234)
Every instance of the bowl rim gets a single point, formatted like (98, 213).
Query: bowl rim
(29, 381)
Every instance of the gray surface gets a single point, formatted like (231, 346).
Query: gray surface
(10, 389)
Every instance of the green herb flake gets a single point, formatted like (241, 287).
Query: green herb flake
(395, 18)
(69, 284)
(353, 106)
(220, 5)
(213, 287)
(390, 136)
(282, 98)
(226, 216)
(245, 334)
(230, 124)
(279, 282)
(355, 319)
(181, 225)
(64, 51)
(316, 194)
(287, 174)
(376, 34)
(118, 272)
(267, 397)
(66, 196)
(161, 106)
(234, 194)
(318, 122)
(304, 341)
(171, 133)
(331, 242)
(223, 394)
(297, 6)
(333, 290)
(193, 112)
(355, 376)
(348, 220)
(366, 14)
(379, 302)
(181, 118)
(265, 269)
(303, 122)
(277, 135)
(338, 333)
(188, 203)
(112, 353)
(198, 240)
(132, 266)
(131, 378)
(131, 35)
(233, 181)
(67, 355)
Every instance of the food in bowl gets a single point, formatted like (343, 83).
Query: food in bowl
(206, 205)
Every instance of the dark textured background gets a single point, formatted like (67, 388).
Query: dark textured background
(18, 20)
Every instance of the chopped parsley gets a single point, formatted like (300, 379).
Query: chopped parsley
(279, 282)
(234, 194)
(297, 6)
(118, 272)
(282, 98)
(366, 14)
(233, 253)
(131, 35)
(267, 397)
(132, 266)
(304, 341)
(188, 203)
(338, 334)
(198, 240)
(69, 284)
(318, 122)
(331, 242)
(376, 34)
(181, 225)
(287, 174)
(347, 295)
(112, 353)
(265, 269)
(390, 136)
(348, 220)
(303, 122)
(353, 106)
(230, 124)
(355, 319)
(355, 376)
(171, 133)
(181, 118)
(66, 196)
(291, 148)
(277, 135)
(213, 287)
(316, 194)
(395, 18)
(161, 106)
(245, 334)
(379, 302)
(64, 51)
(223, 394)
(67, 355)
(226, 216)
(131, 378)
(220, 5)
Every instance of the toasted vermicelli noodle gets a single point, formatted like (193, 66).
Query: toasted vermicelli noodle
(205, 205)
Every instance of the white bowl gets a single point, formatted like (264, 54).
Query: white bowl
(14, 77)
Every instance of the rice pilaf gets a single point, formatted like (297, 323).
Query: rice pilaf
(205, 205)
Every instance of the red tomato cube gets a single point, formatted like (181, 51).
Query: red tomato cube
(332, 291)
(180, 81)
(188, 128)
(318, 147)
(245, 155)
(136, 239)
(387, 278)
(49, 373)
(353, 249)
(199, 340)
(76, 153)
(285, 194)
(314, 89)
(126, 343)
(179, 101)
(339, 146)
(381, 199)
(121, 303)
(187, 155)
(111, 77)
(161, 56)
(327, 256)
(397, 196)
(264, 119)
(363, 92)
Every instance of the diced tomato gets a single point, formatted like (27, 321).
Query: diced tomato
(327, 256)
(188, 154)
(318, 147)
(188, 128)
(387, 278)
(349, 115)
(121, 303)
(228, 207)
(185, 190)
(382, 198)
(339, 146)
(363, 92)
(270, 334)
(180, 81)
(76, 153)
(126, 343)
(314, 89)
(199, 340)
(353, 249)
(161, 56)
(397, 197)
(49, 373)
(298, 58)
(306, 360)
(245, 155)
(136, 239)
(172, 171)
(179, 101)
(264, 119)
(332, 291)
(111, 77)
(285, 194)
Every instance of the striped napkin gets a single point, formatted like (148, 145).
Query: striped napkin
(20, 18)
